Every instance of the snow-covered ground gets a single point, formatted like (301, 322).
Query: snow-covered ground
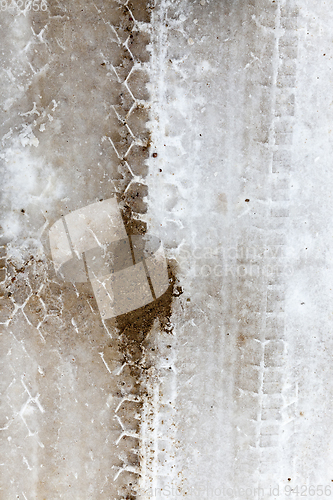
(242, 128)
(233, 399)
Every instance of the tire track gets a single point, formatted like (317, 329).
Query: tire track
(111, 99)
(279, 390)
(266, 397)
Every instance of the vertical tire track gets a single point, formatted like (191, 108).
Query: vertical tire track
(266, 398)
(82, 116)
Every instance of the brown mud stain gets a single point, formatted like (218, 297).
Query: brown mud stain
(134, 327)
(137, 324)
